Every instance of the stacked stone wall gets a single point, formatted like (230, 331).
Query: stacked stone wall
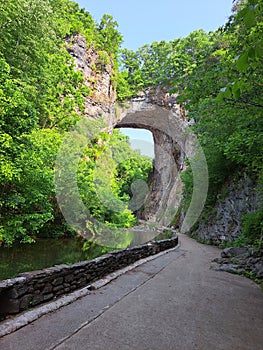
(36, 287)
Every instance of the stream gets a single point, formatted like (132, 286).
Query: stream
(49, 252)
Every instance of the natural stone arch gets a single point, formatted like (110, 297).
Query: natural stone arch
(155, 110)
(165, 119)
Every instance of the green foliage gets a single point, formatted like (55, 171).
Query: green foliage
(227, 107)
(70, 20)
(17, 114)
(135, 167)
(252, 223)
(27, 191)
(218, 78)
(187, 178)
(41, 97)
(108, 37)
(106, 171)
(124, 91)
(163, 63)
(104, 59)
(27, 34)
(253, 228)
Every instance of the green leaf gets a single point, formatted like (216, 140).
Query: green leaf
(251, 52)
(220, 97)
(236, 93)
(250, 18)
(228, 92)
(259, 52)
(236, 89)
(242, 62)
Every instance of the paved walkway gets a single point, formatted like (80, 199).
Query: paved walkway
(173, 302)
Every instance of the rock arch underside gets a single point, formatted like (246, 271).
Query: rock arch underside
(155, 110)
(158, 112)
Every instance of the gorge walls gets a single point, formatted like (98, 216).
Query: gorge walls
(155, 110)
(158, 111)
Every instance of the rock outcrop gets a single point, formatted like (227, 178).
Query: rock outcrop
(155, 110)
(241, 260)
(225, 225)
(97, 72)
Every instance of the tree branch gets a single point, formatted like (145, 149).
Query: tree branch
(254, 104)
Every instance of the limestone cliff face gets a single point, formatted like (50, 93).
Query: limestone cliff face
(97, 77)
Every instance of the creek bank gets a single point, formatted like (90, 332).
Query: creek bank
(36, 287)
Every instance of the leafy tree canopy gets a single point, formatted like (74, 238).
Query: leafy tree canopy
(41, 97)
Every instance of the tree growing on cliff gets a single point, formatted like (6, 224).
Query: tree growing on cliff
(108, 37)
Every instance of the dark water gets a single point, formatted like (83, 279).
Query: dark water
(43, 253)
(49, 252)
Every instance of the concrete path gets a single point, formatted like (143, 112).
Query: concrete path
(173, 302)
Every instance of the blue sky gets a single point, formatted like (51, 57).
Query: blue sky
(144, 21)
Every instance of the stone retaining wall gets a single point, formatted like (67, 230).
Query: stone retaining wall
(36, 287)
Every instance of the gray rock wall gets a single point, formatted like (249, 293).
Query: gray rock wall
(97, 78)
(36, 287)
(238, 197)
